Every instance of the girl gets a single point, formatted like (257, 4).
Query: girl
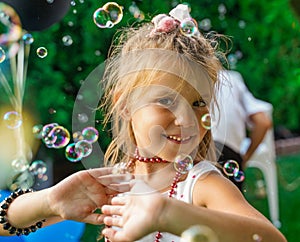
(160, 83)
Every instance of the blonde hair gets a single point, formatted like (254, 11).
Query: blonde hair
(135, 58)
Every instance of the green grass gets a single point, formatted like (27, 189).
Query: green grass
(288, 168)
(289, 198)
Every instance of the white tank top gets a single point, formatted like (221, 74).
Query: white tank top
(184, 193)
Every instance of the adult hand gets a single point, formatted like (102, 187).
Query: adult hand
(79, 195)
(137, 214)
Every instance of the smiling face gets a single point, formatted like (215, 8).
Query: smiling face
(165, 117)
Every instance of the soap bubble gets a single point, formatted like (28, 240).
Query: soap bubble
(189, 27)
(84, 148)
(27, 38)
(230, 167)
(108, 16)
(42, 52)
(38, 167)
(58, 137)
(183, 163)
(206, 121)
(12, 119)
(90, 134)
(71, 153)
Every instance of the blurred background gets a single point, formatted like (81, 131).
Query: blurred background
(66, 43)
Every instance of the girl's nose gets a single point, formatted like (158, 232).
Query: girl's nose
(184, 116)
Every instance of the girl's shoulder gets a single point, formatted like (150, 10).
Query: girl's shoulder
(202, 168)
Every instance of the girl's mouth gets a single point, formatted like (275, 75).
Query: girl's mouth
(178, 139)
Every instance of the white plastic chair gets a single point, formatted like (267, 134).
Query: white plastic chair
(264, 158)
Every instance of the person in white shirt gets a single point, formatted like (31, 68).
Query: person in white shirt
(238, 115)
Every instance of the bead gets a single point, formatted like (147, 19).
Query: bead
(3, 220)
(33, 228)
(12, 230)
(39, 224)
(26, 231)
(2, 213)
(4, 206)
(14, 195)
(6, 226)
(8, 200)
(19, 232)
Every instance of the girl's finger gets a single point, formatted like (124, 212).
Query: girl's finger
(112, 210)
(116, 221)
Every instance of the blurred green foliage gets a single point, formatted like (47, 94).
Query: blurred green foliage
(265, 49)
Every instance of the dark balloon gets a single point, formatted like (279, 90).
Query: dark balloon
(38, 15)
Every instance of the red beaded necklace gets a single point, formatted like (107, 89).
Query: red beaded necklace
(172, 190)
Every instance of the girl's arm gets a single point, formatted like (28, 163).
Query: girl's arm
(74, 198)
(143, 214)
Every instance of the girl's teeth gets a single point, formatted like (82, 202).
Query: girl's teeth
(177, 138)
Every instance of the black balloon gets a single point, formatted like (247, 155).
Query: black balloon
(38, 15)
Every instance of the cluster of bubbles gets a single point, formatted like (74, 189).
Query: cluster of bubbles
(108, 16)
(57, 137)
(231, 168)
(28, 176)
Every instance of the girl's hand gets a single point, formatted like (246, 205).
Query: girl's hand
(79, 195)
(133, 213)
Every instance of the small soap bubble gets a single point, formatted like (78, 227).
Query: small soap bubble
(37, 131)
(230, 167)
(38, 167)
(67, 40)
(12, 119)
(77, 136)
(71, 153)
(183, 163)
(205, 24)
(256, 238)
(58, 137)
(82, 118)
(19, 164)
(83, 147)
(206, 121)
(239, 176)
(90, 134)
(42, 52)
(2, 55)
(188, 27)
(102, 19)
(27, 38)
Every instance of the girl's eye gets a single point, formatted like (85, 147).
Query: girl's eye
(200, 103)
(166, 102)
